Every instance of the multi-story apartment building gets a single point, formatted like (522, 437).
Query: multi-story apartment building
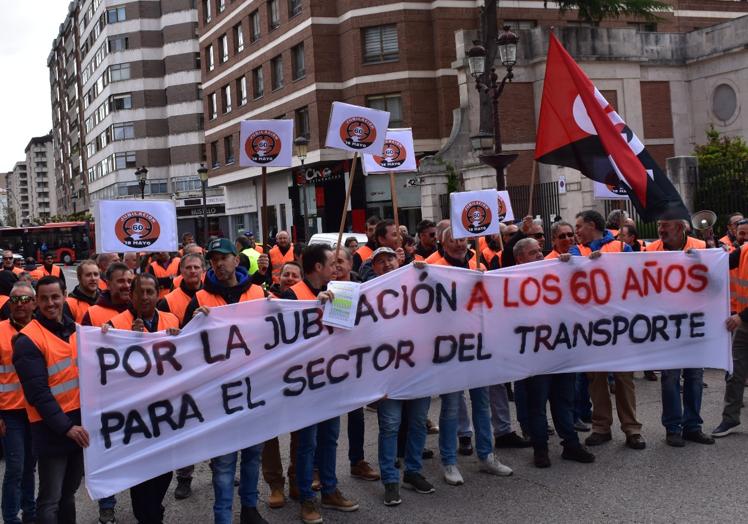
(292, 58)
(31, 185)
(19, 200)
(125, 79)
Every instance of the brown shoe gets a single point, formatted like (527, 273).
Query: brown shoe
(310, 513)
(276, 499)
(362, 470)
(337, 501)
(316, 484)
(431, 428)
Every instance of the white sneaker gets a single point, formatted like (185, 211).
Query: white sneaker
(494, 466)
(452, 476)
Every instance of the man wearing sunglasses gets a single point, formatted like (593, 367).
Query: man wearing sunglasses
(529, 228)
(9, 262)
(738, 324)
(18, 484)
(562, 238)
(426, 231)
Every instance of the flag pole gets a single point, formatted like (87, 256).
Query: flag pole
(532, 186)
(264, 208)
(344, 214)
(393, 193)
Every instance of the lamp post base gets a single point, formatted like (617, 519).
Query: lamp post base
(498, 161)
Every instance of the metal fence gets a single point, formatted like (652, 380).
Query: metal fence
(722, 188)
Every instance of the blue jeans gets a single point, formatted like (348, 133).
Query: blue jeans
(356, 436)
(448, 425)
(685, 417)
(224, 470)
(559, 390)
(320, 439)
(389, 413)
(582, 404)
(18, 482)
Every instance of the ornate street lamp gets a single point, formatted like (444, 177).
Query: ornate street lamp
(142, 175)
(488, 82)
(301, 145)
(202, 172)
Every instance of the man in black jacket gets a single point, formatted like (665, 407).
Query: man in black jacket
(50, 385)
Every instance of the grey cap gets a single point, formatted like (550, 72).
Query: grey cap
(382, 251)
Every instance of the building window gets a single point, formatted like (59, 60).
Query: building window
(124, 160)
(297, 62)
(119, 72)
(238, 38)
(276, 72)
(223, 43)
(273, 14)
(301, 121)
(226, 98)
(380, 43)
(119, 102)
(221, 5)
(212, 107)
(207, 11)
(294, 8)
(254, 26)
(214, 154)
(115, 14)
(392, 103)
(209, 58)
(123, 131)
(258, 83)
(643, 27)
(228, 149)
(241, 90)
(118, 43)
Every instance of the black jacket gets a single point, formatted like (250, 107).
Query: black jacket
(80, 295)
(48, 435)
(357, 258)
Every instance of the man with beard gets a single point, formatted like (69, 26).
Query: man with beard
(86, 293)
(280, 253)
(426, 232)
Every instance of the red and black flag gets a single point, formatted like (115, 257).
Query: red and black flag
(578, 128)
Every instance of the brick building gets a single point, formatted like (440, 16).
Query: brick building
(292, 58)
(125, 83)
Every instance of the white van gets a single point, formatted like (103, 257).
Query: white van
(331, 239)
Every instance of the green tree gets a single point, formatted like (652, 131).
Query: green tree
(723, 170)
(595, 11)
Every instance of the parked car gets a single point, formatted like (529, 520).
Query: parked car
(331, 239)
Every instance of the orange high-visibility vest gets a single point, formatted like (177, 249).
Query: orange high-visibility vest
(734, 283)
(41, 272)
(78, 308)
(364, 252)
(489, 254)
(125, 319)
(11, 394)
(433, 257)
(741, 289)
(103, 286)
(552, 255)
(178, 301)
(584, 250)
(100, 315)
(205, 298)
(17, 270)
(691, 243)
(165, 276)
(302, 291)
(277, 259)
(3, 300)
(614, 246)
(472, 263)
(62, 367)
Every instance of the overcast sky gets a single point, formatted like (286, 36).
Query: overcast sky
(25, 43)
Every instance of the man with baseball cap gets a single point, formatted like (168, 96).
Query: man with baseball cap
(228, 283)
(383, 260)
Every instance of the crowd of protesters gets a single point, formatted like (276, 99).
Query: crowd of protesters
(40, 408)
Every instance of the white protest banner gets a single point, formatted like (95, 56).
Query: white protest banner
(398, 155)
(608, 192)
(250, 371)
(474, 213)
(358, 129)
(135, 225)
(266, 143)
(506, 213)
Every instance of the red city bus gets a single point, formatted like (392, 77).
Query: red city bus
(67, 241)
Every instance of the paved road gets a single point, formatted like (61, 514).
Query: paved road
(659, 484)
